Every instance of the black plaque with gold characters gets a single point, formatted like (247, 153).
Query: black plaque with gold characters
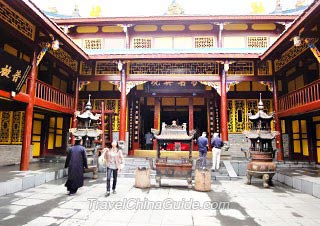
(13, 72)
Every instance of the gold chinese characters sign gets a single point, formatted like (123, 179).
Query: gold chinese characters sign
(13, 72)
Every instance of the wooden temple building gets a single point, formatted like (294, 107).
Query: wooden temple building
(206, 71)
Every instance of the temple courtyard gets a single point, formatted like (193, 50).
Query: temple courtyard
(231, 202)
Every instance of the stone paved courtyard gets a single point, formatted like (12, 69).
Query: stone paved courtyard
(229, 203)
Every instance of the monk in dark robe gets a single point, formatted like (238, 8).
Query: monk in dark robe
(76, 162)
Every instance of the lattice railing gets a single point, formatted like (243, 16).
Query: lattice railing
(53, 95)
(300, 97)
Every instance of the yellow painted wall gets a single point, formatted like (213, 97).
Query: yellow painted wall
(257, 86)
(235, 27)
(144, 28)
(200, 27)
(106, 86)
(243, 86)
(115, 43)
(110, 29)
(182, 42)
(263, 27)
(173, 27)
(168, 101)
(11, 50)
(93, 86)
(163, 43)
(234, 42)
(87, 29)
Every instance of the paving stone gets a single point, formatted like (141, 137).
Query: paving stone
(316, 190)
(28, 182)
(296, 183)
(307, 187)
(13, 185)
(50, 176)
(288, 180)
(40, 178)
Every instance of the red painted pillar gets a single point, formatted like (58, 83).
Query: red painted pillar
(280, 155)
(26, 143)
(224, 110)
(191, 126)
(76, 100)
(156, 120)
(123, 106)
(103, 136)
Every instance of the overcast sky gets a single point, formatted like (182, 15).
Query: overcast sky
(115, 8)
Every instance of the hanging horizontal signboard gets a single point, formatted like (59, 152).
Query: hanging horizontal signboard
(13, 72)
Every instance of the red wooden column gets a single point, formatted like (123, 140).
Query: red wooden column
(191, 125)
(223, 106)
(26, 143)
(123, 105)
(76, 100)
(280, 155)
(103, 138)
(156, 120)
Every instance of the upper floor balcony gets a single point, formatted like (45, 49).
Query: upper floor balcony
(49, 97)
(305, 99)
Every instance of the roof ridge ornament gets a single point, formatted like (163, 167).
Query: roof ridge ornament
(175, 9)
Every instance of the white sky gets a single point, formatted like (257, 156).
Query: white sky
(113, 8)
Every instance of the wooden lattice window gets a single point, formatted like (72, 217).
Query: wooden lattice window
(203, 42)
(142, 43)
(93, 43)
(257, 41)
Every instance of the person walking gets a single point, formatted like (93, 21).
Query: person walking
(149, 141)
(216, 151)
(114, 161)
(76, 162)
(203, 149)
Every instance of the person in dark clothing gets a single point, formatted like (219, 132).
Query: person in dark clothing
(149, 141)
(203, 148)
(216, 143)
(76, 162)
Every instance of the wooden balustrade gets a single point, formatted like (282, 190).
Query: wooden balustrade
(53, 95)
(300, 97)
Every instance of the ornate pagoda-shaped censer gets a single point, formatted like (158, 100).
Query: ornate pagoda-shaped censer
(87, 128)
(261, 151)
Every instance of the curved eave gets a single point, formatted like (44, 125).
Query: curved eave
(174, 56)
(45, 21)
(293, 30)
(175, 19)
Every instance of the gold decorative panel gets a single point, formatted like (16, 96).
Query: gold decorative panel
(17, 21)
(92, 43)
(87, 29)
(114, 104)
(257, 41)
(230, 111)
(241, 68)
(64, 57)
(175, 68)
(265, 68)
(140, 28)
(240, 115)
(200, 27)
(239, 110)
(5, 127)
(264, 27)
(142, 43)
(204, 42)
(106, 68)
(291, 54)
(17, 127)
(85, 69)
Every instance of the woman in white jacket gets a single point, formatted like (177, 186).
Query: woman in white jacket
(114, 161)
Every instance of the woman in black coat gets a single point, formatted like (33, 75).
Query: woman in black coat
(76, 161)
